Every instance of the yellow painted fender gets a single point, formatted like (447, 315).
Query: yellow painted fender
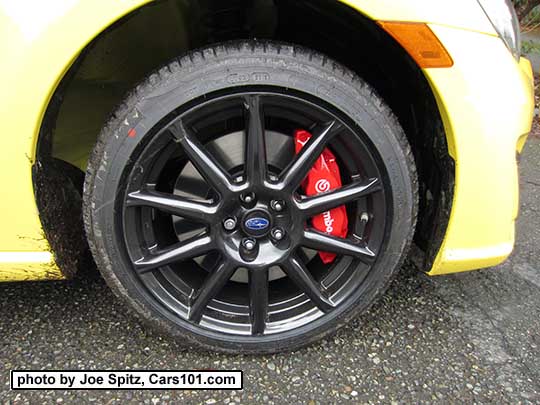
(39, 41)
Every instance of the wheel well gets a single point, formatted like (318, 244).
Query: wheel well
(136, 45)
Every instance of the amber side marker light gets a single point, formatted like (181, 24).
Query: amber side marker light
(420, 42)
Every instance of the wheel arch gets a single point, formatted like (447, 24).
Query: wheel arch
(360, 14)
(88, 21)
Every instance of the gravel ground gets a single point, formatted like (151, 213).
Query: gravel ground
(463, 338)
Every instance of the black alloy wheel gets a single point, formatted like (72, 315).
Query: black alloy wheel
(208, 232)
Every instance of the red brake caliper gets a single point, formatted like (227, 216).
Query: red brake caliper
(324, 176)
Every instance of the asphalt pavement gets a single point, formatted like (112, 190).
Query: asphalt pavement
(472, 337)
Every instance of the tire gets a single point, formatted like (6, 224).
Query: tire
(156, 134)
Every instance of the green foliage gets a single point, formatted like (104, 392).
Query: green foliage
(534, 16)
(528, 47)
(528, 11)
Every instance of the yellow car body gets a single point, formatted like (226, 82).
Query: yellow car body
(485, 100)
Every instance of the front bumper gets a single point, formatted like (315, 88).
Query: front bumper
(486, 102)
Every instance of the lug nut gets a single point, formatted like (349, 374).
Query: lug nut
(278, 234)
(249, 244)
(229, 224)
(277, 206)
(248, 198)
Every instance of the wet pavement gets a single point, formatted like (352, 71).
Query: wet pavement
(471, 337)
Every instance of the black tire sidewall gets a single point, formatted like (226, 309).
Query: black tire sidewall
(228, 67)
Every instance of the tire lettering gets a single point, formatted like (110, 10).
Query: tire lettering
(245, 77)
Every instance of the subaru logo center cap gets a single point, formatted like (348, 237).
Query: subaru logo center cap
(256, 223)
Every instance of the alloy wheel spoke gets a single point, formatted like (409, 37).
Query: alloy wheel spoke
(174, 205)
(348, 247)
(311, 206)
(303, 279)
(179, 252)
(255, 142)
(207, 166)
(235, 215)
(303, 162)
(213, 284)
(258, 298)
